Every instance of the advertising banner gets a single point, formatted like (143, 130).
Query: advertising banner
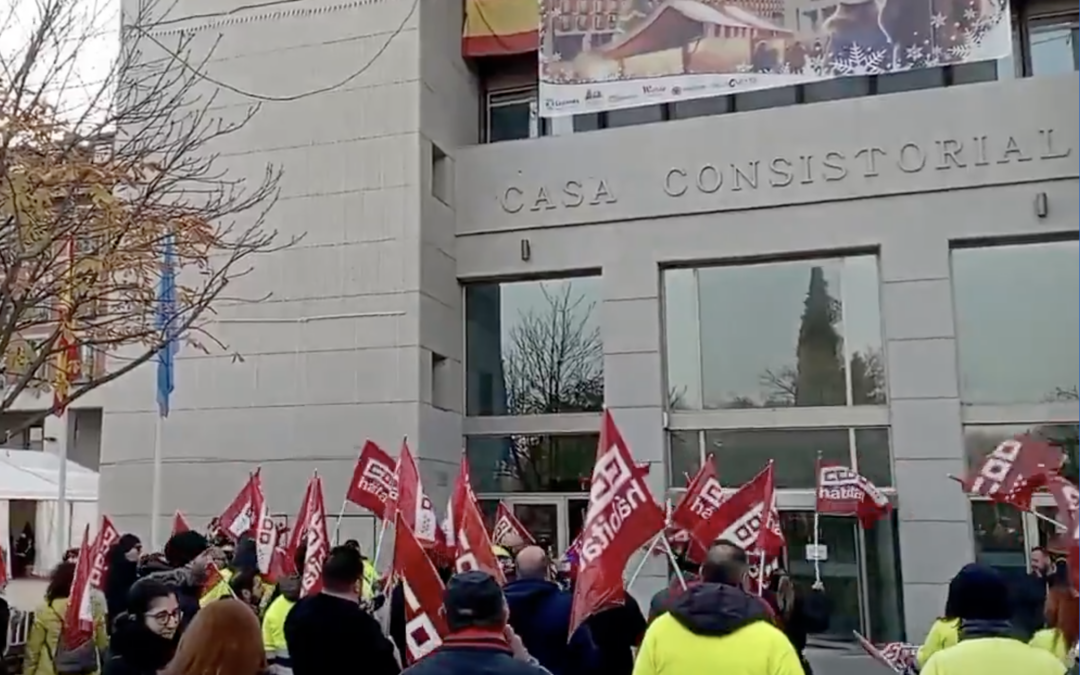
(600, 55)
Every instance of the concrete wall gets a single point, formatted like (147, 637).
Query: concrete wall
(341, 350)
(957, 164)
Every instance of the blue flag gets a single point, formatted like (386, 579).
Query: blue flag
(166, 320)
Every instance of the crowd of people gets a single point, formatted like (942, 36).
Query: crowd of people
(165, 614)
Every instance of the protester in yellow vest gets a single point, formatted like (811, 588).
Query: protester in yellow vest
(987, 644)
(945, 631)
(1061, 617)
(273, 627)
(365, 586)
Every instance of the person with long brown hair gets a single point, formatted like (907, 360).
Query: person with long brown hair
(1064, 623)
(223, 639)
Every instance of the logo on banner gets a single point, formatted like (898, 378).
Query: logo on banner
(466, 560)
(614, 496)
(421, 636)
(653, 89)
(98, 570)
(503, 530)
(378, 479)
(744, 531)
(839, 483)
(560, 104)
(593, 95)
(708, 499)
(995, 470)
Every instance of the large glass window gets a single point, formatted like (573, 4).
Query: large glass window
(511, 115)
(1018, 322)
(520, 463)
(533, 347)
(773, 335)
(740, 455)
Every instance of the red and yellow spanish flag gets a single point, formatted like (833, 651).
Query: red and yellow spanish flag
(68, 363)
(501, 27)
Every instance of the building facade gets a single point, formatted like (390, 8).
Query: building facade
(882, 271)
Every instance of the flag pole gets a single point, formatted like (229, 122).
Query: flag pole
(817, 523)
(379, 543)
(674, 563)
(644, 559)
(155, 490)
(340, 517)
(761, 574)
(62, 524)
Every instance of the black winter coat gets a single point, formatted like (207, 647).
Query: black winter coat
(473, 654)
(135, 650)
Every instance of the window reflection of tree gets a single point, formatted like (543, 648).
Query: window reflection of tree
(551, 463)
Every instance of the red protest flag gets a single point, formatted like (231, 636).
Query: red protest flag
(316, 538)
(374, 481)
(622, 517)
(79, 618)
(412, 503)
(179, 524)
(266, 530)
(508, 530)
(296, 537)
(698, 504)
(843, 492)
(425, 624)
(471, 547)
(1015, 470)
(1066, 498)
(239, 516)
(747, 518)
(106, 536)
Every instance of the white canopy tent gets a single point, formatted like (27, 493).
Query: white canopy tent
(34, 476)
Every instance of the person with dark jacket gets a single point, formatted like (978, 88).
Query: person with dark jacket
(123, 558)
(716, 626)
(329, 633)
(183, 569)
(1028, 594)
(663, 598)
(5, 623)
(800, 614)
(540, 615)
(145, 636)
(480, 641)
(617, 632)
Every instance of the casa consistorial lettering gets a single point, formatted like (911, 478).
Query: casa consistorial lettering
(568, 194)
(866, 163)
(614, 496)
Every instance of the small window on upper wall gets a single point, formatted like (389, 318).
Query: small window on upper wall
(1052, 45)
(510, 115)
(1018, 322)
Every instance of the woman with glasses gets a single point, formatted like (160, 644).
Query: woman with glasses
(144, 637)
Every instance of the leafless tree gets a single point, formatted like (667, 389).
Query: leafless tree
(106, 186)
(554, 364)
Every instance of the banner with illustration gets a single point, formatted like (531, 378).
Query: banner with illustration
(600, 55)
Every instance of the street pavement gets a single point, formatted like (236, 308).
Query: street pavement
(843, 660)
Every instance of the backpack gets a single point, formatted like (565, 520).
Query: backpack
(79, 660)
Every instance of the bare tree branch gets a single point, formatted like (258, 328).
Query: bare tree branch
(92, 193)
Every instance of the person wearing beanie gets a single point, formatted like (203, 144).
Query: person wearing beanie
(123, 572)
(987, 642)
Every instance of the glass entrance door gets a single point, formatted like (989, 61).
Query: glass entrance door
(553, 521)
(840, 572)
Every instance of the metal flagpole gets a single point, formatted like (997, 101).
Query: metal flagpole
(340, 517)
(644, 559)
(155, 490)
(379, 543)
(817, 522)
(61, 440)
